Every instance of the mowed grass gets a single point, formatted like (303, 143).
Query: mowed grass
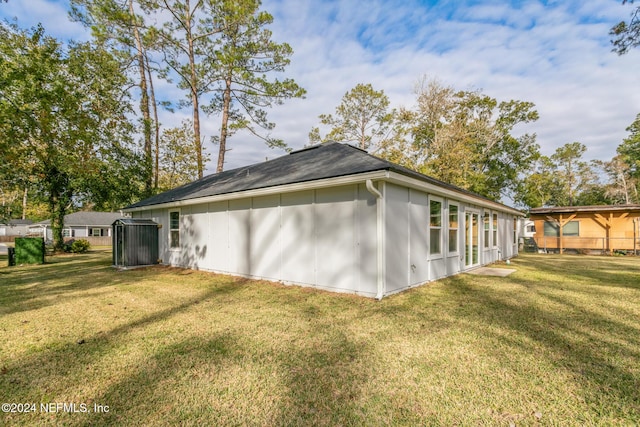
(555, 343)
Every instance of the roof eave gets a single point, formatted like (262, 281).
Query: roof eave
(432, 188)
(276, 189)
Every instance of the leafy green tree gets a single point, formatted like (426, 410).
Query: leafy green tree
(243, 56)
(574, 174)
(629, 150)
(363, 117)
(178, 164)
(629, 158)
(116, 25)
(626, 34)
(184, 40)
(63, 122)
(465, 138)
(541, 186)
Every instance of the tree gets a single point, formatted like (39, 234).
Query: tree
(629, 150)
(626, 35)
(363, 117)
(629, 158)
(572, 172)
(540, 187)
(241, 59)
(63, 122)
(465, 138)
(185, 40)
(115, 23)
(178, 164)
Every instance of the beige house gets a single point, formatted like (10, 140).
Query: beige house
(587, 228)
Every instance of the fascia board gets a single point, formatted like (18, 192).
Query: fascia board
(278, 189)
(437, 190)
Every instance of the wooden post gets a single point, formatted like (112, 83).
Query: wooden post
(561, 235)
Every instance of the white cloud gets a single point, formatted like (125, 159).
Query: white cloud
(554, 54)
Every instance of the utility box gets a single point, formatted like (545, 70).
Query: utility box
(29, 250)
(11, 253)
(135, 242)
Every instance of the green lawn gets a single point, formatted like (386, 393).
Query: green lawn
(556, 343)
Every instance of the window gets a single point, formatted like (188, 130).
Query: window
(453, 228)
(515, 230)
(572, 228)
(174, 229)
(486, 219)
(531, 228)
(495, 229)
(67, 232)
(96, 232)
(435, 226)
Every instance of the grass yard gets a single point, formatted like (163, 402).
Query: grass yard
(556, 343)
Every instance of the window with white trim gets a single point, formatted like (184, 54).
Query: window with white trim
(453, 228)
(174, 229)
(495, 229)
(96, 232)
(435, 227)
(487, 231)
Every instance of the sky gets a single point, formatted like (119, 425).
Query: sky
(555, 54)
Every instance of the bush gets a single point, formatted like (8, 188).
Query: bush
(77, 246)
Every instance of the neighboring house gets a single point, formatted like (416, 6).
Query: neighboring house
(333, 217)
(15, 227)
(587, 228)
(79, 224)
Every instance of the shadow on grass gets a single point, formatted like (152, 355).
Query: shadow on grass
(595, 348)
(608, 271)
(328, 363)
(62, 278)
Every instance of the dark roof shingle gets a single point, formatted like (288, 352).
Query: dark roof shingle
(328, 160)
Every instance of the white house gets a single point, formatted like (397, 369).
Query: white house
(15, 227)
(333, 217)
(79, 224)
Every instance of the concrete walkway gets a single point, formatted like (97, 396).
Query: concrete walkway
(3, 249)
(491, 271)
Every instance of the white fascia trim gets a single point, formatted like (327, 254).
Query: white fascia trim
(277, 189)
(434, 189)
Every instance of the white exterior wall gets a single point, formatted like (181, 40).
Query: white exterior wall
(324, 238)
(328, 238)
(408, 262)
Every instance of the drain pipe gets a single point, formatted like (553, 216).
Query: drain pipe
(379, 235)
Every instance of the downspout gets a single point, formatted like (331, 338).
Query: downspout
(379, 236)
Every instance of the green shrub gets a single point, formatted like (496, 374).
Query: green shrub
(80, 246)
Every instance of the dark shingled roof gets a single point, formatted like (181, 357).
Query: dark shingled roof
(329, 160)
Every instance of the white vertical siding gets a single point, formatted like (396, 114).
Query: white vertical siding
(326, 238)
(419, 263)
(397, 237)
(264, 244)
(297, 234)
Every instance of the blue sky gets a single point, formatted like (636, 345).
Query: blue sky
(555, 54)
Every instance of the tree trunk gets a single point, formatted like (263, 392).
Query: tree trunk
(193, 83)
(24, 204)
(225, 123)
(58, 200)
(144, 104)
(154, 106)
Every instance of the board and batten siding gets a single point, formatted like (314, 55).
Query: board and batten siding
(321, 238)
(329, 238)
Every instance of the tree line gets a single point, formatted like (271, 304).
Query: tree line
(70, 112)
(80, 128)
(467, 138)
